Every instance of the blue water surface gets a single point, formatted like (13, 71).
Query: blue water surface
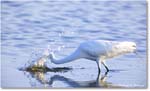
(30, 25)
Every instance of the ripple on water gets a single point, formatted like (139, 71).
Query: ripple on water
(12, 3)
(23, 15)
(19, 38)
(22, 45)
(64, 25)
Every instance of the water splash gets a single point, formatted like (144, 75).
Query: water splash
(35, 55)
(38, 62)
(39, 57)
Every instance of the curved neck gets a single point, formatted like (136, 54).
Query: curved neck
(73, 56)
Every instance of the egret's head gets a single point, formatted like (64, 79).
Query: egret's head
(127, 47)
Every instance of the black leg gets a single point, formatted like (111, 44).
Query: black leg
(99, 69)
(105, 66)
(105, 75)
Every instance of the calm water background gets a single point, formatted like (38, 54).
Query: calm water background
(30, 25)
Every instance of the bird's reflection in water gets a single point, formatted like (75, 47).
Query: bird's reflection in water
(99, 81)
(40, 76)
(35, 77)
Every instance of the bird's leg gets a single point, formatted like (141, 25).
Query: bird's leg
(105, 65)
(99, 66)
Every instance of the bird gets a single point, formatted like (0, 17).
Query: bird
(98, 51)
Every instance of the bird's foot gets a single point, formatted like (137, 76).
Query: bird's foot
(107, 70)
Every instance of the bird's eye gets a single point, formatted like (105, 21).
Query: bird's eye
(134, 46)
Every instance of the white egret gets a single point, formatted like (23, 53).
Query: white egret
(98, 51)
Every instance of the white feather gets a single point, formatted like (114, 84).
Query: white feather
(97, 50)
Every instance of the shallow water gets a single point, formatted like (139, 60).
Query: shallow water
(30, 25)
